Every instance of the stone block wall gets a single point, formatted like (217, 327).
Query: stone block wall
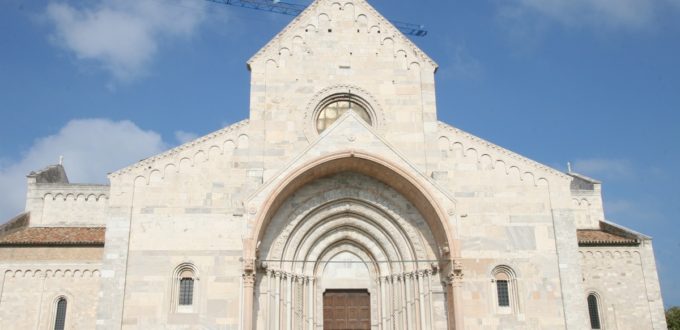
(33, 279)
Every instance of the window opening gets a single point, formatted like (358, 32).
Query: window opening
(503, 294)
(60, 319)
(594, 312)
(334, 109)
(186, 291)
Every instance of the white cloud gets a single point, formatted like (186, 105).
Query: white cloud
(123, 35)
(464, 65)
(91, 149)
(526, 21)
(610, 13)
(184, 137)
(611, 169)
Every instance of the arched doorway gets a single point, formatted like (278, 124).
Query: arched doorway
(348, 232)
(349, 224)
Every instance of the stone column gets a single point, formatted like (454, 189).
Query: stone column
(430, 304)
(383, 302)
(390, 302)
(403, 302)
(266, 305)
(422, 306)
(394, 302)
(289, 302)
(310, 307)
(453, 288)
(277, 299)
(249, 277)
(410, 313)
(248, 294)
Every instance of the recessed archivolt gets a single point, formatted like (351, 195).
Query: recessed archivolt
(347, 234)
(384, 225)
(365, 218)
(351, 197)
(374, 267)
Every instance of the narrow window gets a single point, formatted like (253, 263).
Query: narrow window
(503, 295)
(60, 319)
(186, 289)
(594, 312)
(504, 282)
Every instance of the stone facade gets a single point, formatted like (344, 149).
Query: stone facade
(268, 214)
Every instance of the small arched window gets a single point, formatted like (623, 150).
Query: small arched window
(505, 289)
(60, 316)
(594, 311)
(502, 290)
(184, 288)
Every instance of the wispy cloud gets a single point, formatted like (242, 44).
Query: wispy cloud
(91, 149)
(527, 21)
(462, 64)
(610, 169)
(122, 35)
(184, 137)
(602, 13)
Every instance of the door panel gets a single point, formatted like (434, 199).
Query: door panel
(346, 310)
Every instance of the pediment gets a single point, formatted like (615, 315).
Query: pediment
(353, 21)
(349, 134)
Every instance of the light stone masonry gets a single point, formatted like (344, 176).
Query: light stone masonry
(255, 225)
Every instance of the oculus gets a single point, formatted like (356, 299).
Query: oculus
(336, 105)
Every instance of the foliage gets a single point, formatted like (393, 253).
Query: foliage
(673, 318)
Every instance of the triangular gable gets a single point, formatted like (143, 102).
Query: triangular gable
(309, 14)
(350, 132)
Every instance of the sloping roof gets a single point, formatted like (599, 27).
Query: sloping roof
(584, 178)
(48, 236)
(591, 237)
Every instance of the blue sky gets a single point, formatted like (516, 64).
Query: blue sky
(596, 83)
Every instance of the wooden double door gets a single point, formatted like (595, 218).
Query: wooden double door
(346, 310)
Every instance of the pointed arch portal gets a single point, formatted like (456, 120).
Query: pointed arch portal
(350, 221)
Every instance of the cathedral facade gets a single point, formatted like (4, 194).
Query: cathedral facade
(340, 203)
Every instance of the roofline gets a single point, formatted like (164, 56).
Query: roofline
(315, 4)
(625, 229)
(583, 177)
(51, 244)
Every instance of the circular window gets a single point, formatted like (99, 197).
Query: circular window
(335, 106)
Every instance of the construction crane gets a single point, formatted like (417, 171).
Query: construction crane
(292, 9)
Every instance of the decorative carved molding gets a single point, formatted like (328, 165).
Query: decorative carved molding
(390, 32)
(455, 277)
(249, 279)
(249, 265)
(34, 272)
(152, 164)
(505, 155)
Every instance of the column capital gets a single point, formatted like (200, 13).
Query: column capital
(456, 275)
(249, 265)
(248, 279)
